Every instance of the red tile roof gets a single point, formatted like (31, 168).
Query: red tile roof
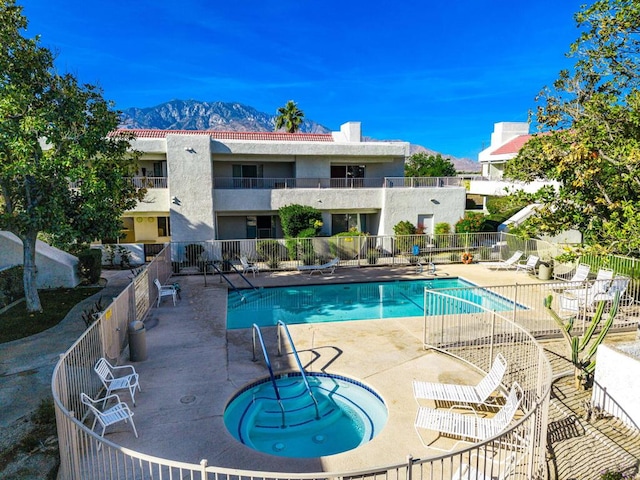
(219, 135)
(512, 146)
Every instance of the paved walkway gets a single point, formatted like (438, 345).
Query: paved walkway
(26, 365)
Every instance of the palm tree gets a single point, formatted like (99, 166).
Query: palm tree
(290, 117)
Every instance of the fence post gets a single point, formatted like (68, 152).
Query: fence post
(493, 331)
(409, 465)
(203, 464)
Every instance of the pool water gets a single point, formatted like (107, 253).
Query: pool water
(354, 301)
(348, 415)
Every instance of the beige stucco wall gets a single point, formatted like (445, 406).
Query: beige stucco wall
(190, 172)
(56, 269)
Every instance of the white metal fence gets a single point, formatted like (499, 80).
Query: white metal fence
(85, 455)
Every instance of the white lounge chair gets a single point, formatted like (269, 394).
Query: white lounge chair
(166, 291)
(530, 265)
(248, 267)
(120, 412)
(580, 276)
(476, 394)
(509, 263)
(576, 299)
(329, 266)
(117, 378)
(469, 426)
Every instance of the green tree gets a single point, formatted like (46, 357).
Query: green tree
(589, 138)
(423, 165)
(289, 117)
(296, 219)
(62, 167)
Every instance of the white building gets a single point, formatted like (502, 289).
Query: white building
(209, 185)
(506, 141)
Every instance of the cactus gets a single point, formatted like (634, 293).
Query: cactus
(583, 348)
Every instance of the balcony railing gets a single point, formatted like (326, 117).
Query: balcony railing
(138, 182)
(226, 183)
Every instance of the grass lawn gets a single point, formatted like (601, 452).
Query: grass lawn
(17, 323)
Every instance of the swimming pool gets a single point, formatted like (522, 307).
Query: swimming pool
(353, 301)
(342, 415)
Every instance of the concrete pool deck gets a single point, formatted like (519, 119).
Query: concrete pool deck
(195, 366)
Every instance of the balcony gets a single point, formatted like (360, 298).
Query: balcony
(229, 183)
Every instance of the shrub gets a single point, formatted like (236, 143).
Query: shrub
(11, 287)
(295, 219)
(90, 264)
(470, 223)
(270, 251)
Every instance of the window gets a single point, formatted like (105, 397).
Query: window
(164, 227)
(347, 176)
(343, 222)
(262, 226)
(245, 175)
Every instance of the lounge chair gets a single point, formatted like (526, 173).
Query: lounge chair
(329, 266)
(576, 299)
(530, 265)
(166, 291)
(580, 276)
(469, 426)
(248, 267)
(509, 263)
(476, 394)
(117, 378)
(120, 412)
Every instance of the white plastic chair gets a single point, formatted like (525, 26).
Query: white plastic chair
(509, 263)
(248, 267)
(529, 266)
(468, 426)
(476, 394)
(166, 291)
(120, 412)
(116, 378)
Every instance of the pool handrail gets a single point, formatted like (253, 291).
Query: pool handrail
(256, 329)
(222, 275)
(295, 355)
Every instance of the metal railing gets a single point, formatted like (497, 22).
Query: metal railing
(231, 183)
(283, 326)
(255, 332)
(473, 337)
(476, 338)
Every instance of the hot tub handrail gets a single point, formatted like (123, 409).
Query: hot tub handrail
(295, 355)
(256, 329)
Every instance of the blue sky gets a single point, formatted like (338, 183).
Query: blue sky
(436, 74)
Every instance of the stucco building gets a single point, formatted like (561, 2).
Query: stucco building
(209, 185)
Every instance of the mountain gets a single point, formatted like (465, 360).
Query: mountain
(235, 117)
(196, 115)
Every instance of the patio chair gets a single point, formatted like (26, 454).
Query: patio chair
(166, 291)
(470, 427)
(580, 276)
(476, 394)
(530, 265)
(329, 266)
(509, 263)
(576, 299)
(116, 378)
(120, 412)
(248, 267)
